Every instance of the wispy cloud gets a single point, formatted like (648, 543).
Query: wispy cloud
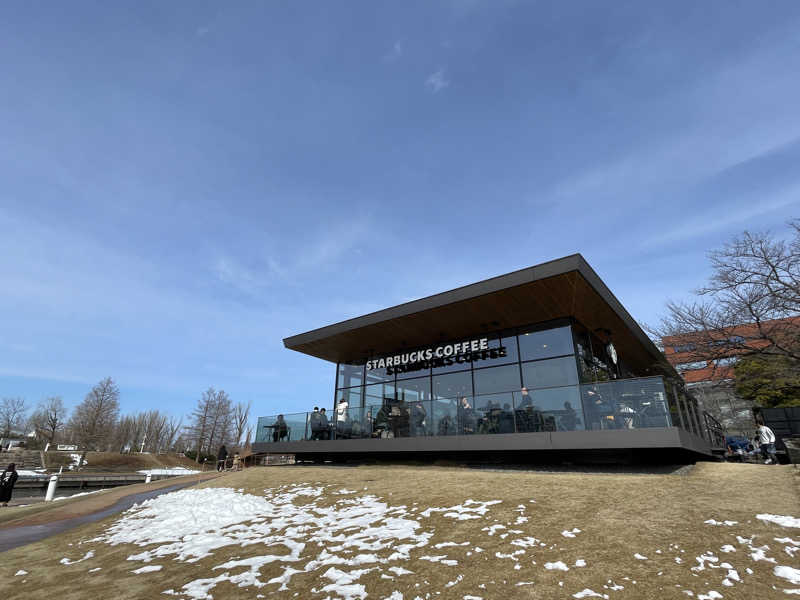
(437, 81)
(395, 53)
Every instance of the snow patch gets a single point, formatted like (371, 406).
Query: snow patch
(147, 569)
(783, 521)
(790, 573)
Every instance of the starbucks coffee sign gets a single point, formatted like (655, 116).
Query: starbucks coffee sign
(437, 356)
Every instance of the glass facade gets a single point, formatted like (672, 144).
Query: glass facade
(559, 377)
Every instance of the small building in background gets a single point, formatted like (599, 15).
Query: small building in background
(706, 361)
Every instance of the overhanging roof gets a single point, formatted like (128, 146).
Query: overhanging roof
(566, 287)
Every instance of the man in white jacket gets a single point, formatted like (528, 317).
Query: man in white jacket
(342, 418)
(766, 439)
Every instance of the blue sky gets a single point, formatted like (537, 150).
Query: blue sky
(184, 184)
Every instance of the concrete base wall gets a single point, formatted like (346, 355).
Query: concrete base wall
(662, 441)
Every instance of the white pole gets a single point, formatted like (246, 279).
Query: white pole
(148, 478)
(51, 488)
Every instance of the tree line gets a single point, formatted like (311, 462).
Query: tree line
(96, 424)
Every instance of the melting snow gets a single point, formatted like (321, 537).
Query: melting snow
(571, 533)
(87, 556)
(587, 593)
(147, 569)
(783, 521)
(20, 572)
(790, 573)
(469, 509)
(726, 523)
(558, 566)
(169, 471)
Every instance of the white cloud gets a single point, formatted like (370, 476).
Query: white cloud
(396, 51)
(437, 81)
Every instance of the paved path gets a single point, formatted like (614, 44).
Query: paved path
(44, 523)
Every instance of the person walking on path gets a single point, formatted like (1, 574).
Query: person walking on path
(766, 439)
(222, 456)
(7, 481)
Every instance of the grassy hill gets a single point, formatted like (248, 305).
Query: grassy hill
(120, 463)
(433, 532)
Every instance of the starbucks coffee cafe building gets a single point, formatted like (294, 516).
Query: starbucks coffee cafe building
(542, 364)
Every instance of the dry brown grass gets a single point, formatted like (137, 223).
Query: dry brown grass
(618, 515)
(120, 463)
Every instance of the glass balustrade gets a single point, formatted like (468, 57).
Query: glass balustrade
(621, 404)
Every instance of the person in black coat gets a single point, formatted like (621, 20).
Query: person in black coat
(7, 481)
(222, 456)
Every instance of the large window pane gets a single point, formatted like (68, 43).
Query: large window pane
(448, 364)
(352, 395)
(411, 390)
(550, 373)
(546, 343)
(376, 375)
(496, 379)
(625, 404)
(560, 407)
(350, 375)
(452, 385)
(415, 370)
(495, 413)
(445, 417)
(378, 393)
(502, 350)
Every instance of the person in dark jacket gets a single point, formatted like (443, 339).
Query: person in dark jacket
(280, 430)
(315, 423)
(222, 456)
(324, 425)
(7, 481)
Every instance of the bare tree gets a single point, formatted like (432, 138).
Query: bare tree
(12, 415)
(49, 418)
(93, 420)
(750, 306)
(198, 430)
(241, 416)
(220, 421)
(174, 426)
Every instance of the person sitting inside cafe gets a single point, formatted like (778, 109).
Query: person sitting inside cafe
(529, 417)
(280, 430)
(568, 420)
(466, 416)
(626, 416)
(380, 428)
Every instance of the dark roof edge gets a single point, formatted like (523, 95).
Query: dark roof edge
(559, 266)
(594, 280)
(552, 268)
